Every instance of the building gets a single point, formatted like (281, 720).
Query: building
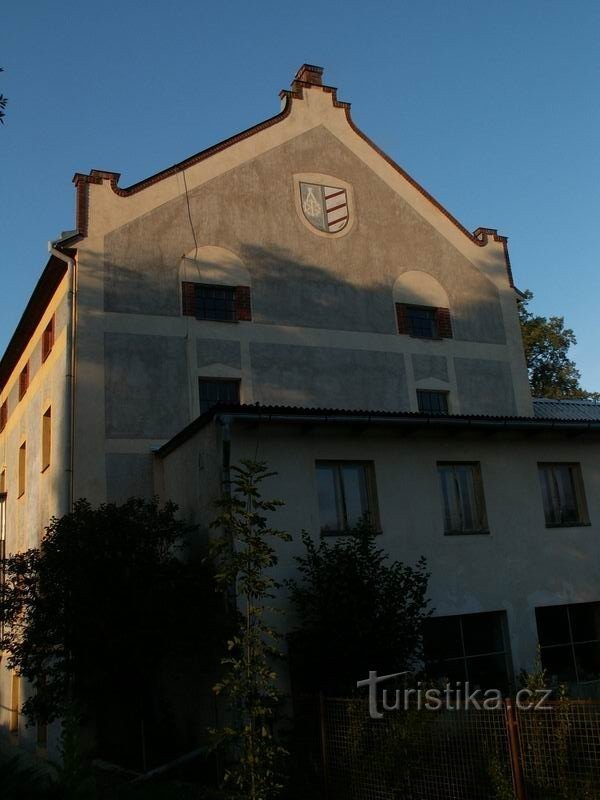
(356, 336)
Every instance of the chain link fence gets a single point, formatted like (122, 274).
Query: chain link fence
(500, 754)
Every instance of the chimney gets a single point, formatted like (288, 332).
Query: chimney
(308, 73)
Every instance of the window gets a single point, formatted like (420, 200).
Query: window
(3, 415)
(15, 703)
(563, 495)
(2, 536)
(24, 381)
(46, 439)
(569, 639)
(432, 402)
(462, 495)
(22, 468)
(215, 302)
(222, 303)
(424, 322)
(216, 390)
(48, 340)
(346, 495)
(469, 647)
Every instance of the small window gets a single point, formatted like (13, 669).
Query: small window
(422, 322)
(462, 496)
(216, 390)
(15, 702)
(2, 520)
(563, 495)
(432, 402)
(216, 302)
(24, 381)
(22, 468)
(2, 539)
(46, 439)
(48, 339)
(221, 303)
(469, 647)
(569, 638)
(347, 495)
(3, 415)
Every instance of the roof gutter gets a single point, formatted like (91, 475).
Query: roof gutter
(409, 421)
(435, 422)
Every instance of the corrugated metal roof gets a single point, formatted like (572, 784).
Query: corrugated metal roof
(566, 409)
(289, 414)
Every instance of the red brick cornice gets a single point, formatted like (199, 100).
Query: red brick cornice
(97, 176)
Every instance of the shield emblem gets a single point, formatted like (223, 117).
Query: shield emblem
(325, 207)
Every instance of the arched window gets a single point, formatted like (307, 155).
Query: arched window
(422, 307)
(215, 285)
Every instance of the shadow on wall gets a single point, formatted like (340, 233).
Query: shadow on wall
(142, 370)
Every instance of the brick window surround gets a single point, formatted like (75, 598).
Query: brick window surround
(423, 322)
(215, 302)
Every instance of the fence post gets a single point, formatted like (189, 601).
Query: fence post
(512, 729)
(323, 743)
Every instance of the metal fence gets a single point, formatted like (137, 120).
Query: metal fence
(501, 754)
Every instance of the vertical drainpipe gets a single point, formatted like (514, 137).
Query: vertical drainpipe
(225, 422)
(69, 376)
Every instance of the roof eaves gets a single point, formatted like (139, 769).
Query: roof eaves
(49, 280)
(294, 414)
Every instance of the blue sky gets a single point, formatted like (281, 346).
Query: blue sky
(492, 106)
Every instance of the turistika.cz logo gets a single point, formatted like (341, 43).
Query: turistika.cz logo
(456, 696)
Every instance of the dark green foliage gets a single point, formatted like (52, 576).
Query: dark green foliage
(547, 342)
(3, 104)
(245, 557)
(357, 611)
(103, 608)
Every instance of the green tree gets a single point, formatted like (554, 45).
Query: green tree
(357, 611)
(245, 558)
(100, 614)
(547, 342)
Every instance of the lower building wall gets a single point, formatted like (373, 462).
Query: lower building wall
(519, 565)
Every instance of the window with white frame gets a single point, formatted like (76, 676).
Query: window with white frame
(469, 647)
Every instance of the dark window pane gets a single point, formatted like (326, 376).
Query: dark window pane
(442, 639)
(432, 402)
(422, 322)
(343, 488)
(450, 671)
(559, 663)
(552, 625)
(587, 657)
(585, 621)
(216, 302)
(212, 392)
(488, 672)
(482, 633)
(355, 493)
(330, 497)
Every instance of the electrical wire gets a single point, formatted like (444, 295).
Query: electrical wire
(187, 200)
